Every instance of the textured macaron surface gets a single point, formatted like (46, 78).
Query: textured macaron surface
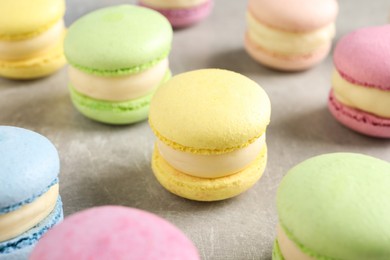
(295, 16)
(118, 40)
(21, 246)
(336, 206)
(209, 111)
(25, 18)
(29, 164)
(363, 57)
(114, 232)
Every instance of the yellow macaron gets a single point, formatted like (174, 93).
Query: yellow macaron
(210, 126)
(31, 38)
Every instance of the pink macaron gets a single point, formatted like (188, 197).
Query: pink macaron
(290, 35)
(360, 94)
(114, 232)
(181, 13)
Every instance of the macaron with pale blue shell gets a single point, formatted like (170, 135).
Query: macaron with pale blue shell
(29, 196)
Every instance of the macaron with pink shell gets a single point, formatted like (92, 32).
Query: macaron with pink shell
(290, 35)
(114, 232)
(360, 94)
(181, 13)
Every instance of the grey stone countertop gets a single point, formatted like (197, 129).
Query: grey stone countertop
(102, 164)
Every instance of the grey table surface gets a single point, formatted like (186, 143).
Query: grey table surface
(102, 164)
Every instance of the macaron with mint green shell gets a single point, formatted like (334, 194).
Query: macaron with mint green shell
(334, 206)
(118, 57)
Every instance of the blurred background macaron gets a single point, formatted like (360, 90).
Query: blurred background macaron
(31, 38)
(360, 94)
(29, 199)
(210, 126)
(114, 232)
(118, 57)
(290, 35)
(181, 13)
(334, 206)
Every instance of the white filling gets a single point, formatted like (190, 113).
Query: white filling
(16, 222)
(211, 166)
(23, 49)
(118, 88)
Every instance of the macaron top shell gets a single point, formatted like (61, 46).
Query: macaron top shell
(114, 232)
(336, 206)
(209, 111)
(363, 57)
(29, 164)
(21, 19)
(295, 16)
(118, 40)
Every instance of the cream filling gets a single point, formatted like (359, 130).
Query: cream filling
(174, 4)
(118, 88)
(16, 50)
(288, 248)
(16, 222)
(368, 99)
(288, 43)
(211, 166)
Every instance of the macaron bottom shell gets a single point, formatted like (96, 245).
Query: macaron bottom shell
(40, 66)
(283, 62)
(20, 247)
(276, 253)
(116, 113)
(180, 18)
(202, 189)
(358, 120)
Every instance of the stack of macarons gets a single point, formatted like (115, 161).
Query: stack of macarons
(210, 126)
(118, 57)
(334, 206)
(181, 13)
(290, 35)
(114, 232)
(29, 199)
(360, 95)
(31, 38)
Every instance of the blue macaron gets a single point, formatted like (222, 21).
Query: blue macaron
(29, 200)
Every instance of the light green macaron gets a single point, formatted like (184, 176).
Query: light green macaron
(335, 206)
(118, 43)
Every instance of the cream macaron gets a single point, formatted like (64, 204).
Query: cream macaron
(290, 35)
(210, 126)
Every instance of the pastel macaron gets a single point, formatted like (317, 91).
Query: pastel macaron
(210, 126)
(334, 206)
(114, 232)
(360, 94)
(31, 38)
(29, 199)
(118, 57)
(290, 35)
(181, 13)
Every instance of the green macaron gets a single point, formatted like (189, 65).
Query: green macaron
(118, 57)
(335, 206)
